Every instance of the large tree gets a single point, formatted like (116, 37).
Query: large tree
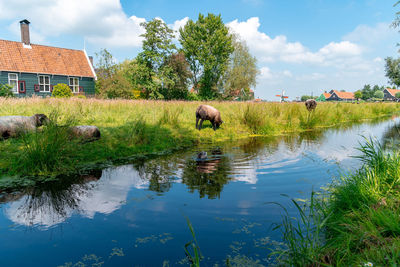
(207, 46)
(242, 69)
(157, 48)
(393, 70)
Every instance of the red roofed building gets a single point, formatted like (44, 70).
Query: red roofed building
(340, 96)
(390, 94)
(34, 69)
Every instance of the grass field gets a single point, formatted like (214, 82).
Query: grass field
(132, 129)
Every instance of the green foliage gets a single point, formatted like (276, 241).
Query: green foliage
(392, 68)
(157, 48)
(378, 94)
(358, 94)
(118, 85)
(177, 76)
(61, 90)
(207, 46)
(6, 90)
(368, 92)
(306, 97)
(397, 95)
(242, 69)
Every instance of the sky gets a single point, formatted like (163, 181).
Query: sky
(302, 47)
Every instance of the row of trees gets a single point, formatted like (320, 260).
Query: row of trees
(211, 60)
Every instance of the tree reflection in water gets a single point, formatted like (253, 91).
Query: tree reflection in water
(391, 137)
(50, 203)
(54, 202)
(207, 176)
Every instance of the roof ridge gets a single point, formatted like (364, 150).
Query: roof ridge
(43, 45)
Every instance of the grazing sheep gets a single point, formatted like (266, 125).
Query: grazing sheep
(12, 126)
(86, 132)
(311, 104)
(206, 112)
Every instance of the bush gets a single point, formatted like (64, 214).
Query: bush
(378, 94)
(62, 90)
(5, 90)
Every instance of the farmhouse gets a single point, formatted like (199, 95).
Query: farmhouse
(390, 94)
(323, 97)
(34, 69)
(340, 96)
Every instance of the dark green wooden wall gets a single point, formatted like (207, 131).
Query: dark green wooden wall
(32, 79)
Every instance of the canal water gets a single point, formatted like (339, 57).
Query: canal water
(135, 215)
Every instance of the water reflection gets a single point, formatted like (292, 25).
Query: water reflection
(244, 161)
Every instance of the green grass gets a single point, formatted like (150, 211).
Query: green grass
(357, 221)
(132, 129)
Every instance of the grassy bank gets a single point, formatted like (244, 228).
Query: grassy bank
(356, 223)
(134, 128)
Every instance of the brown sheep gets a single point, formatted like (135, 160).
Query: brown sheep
(12, 126)
(311, 104)
(86, 132)
(206, 112)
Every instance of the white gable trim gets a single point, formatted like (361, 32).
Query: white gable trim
(90, 64)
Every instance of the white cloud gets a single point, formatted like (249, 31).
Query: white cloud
(179, 24)
(368, 34)
(269, 49)
(101, 22)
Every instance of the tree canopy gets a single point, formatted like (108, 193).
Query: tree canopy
(207, 46)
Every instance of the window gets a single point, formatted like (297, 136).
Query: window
(44, 83)
(13, 81)
(74, 84)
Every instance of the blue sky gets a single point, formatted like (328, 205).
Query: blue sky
(302, 47)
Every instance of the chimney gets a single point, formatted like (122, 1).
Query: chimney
(25, 32)
(91, 60)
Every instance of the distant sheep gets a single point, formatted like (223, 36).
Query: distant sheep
(86, 132)
(206, 112)
(311, 104)
(12, 126)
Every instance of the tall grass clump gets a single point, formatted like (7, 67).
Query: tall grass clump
(48, 150)
(254, 118)
(360, 217)
(170, 116)
(303, 236)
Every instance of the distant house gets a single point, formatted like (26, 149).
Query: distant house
(34, 69)
(390, 94)
(323, 97)
(241, 94)
(340, 96)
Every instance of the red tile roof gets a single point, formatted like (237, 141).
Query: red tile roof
(392, 91)
(44, 59)
(344, 95)
(326, 95)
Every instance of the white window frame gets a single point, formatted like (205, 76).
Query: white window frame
(44, 87)
(16, 82)
(74, 85)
